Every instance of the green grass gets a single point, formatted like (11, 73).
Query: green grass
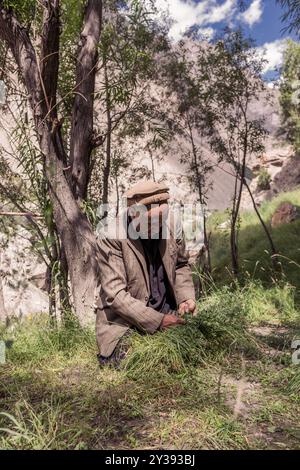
(176, 390)
(253, 246)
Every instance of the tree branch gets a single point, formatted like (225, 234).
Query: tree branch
(50, 53)
(17, 38)
(81, 143)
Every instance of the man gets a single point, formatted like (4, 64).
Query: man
(145, 277)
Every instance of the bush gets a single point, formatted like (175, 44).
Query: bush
(264, 180)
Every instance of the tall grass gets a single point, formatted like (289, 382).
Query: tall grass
(53, 395)
(220, 328)
(29, 428)
(35, 340)
(255, 258)
(220, 325)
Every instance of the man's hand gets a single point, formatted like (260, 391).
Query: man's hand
(171, 320)
(189, 306)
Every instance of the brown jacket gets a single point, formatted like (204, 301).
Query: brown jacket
(125, 290)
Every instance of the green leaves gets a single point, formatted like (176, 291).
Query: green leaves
(290, 94)
(24, 9)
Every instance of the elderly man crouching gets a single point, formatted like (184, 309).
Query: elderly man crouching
(146, 280)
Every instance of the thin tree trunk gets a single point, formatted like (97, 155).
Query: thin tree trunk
(107, 166)
(233, 241)
(118, 195)
(152, 164)
(267, 232)
(51, 274)
(64, 294)
(3, 311)
(206, 244)
(201, 199)
(237, 205)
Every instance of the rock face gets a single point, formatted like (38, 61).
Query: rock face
(23, 278)
(285, 214)
(289, 176)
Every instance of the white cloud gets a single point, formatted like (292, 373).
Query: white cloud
(253, 14)
(222, 12)
(187, 13)
(273, 53)
(207, 33)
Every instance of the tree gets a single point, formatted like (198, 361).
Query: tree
(232, 75)
(59, 80)
(127, 53)
(291, 15)
(38, 60)
(290, 94)
(184, 79)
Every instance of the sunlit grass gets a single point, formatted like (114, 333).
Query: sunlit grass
(170, 392)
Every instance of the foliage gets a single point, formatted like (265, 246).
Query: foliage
(290, 94)
(130, 43)
(231, 75)
(25, 9)
(254, 250)
(291, 15)
(264, 179)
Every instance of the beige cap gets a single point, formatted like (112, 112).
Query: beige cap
(147, 192)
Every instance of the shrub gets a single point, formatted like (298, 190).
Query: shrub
(264, 180)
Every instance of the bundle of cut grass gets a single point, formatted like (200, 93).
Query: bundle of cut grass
(220, 326)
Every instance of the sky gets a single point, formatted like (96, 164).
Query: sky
(261, 20)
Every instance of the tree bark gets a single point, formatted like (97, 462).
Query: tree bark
(83, 107)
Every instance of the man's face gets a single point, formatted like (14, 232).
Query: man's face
(156, 216)
(150, 218)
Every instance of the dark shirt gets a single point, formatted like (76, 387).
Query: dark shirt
(161, 297)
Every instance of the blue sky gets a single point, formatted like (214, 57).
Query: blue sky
(260, 20)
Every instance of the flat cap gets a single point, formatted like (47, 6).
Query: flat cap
(147, 192)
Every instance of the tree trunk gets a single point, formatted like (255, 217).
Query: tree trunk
(83, 109)
(3, 311)
(107, 166)
(64, 296)
(233, 237)
(75, 233)
(50, 277)
(199, 184)
(152, 163)
(274, 252)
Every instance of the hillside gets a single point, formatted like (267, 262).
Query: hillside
(253, 246)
